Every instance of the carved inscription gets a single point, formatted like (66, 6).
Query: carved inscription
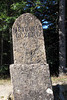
(30, 72)
(28, 40)
(31, 31)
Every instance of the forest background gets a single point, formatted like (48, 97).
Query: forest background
(47, 11)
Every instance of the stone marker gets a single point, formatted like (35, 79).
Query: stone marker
(30, 72)
(28, 40)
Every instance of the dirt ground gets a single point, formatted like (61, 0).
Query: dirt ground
(5, 89)
(6, 86)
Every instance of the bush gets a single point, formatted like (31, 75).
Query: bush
(4, 71)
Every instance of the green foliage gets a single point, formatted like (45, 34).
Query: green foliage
(40, 8)
(4, 71)
(44, 10)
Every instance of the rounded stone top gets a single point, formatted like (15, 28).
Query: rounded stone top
(27, 25)
(28, 40)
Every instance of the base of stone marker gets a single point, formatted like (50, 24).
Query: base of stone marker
(31, 82)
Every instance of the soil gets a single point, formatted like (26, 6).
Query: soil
(5, 89)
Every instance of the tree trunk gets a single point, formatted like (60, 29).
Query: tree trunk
(1, 57)
(62, 40)
(10, 32)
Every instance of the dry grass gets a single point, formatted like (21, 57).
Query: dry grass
(59, 80)
(5, 81)
(55, 80)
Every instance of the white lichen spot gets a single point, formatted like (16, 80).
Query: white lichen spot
(18, 91)
(49, 91)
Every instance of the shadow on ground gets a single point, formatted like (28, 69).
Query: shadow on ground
(60, 92)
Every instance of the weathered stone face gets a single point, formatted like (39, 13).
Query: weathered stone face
(28, 40)
(31, 82)
(30, 72)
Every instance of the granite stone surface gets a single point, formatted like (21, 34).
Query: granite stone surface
(28, 40)
(30, 72)
(31, 82)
